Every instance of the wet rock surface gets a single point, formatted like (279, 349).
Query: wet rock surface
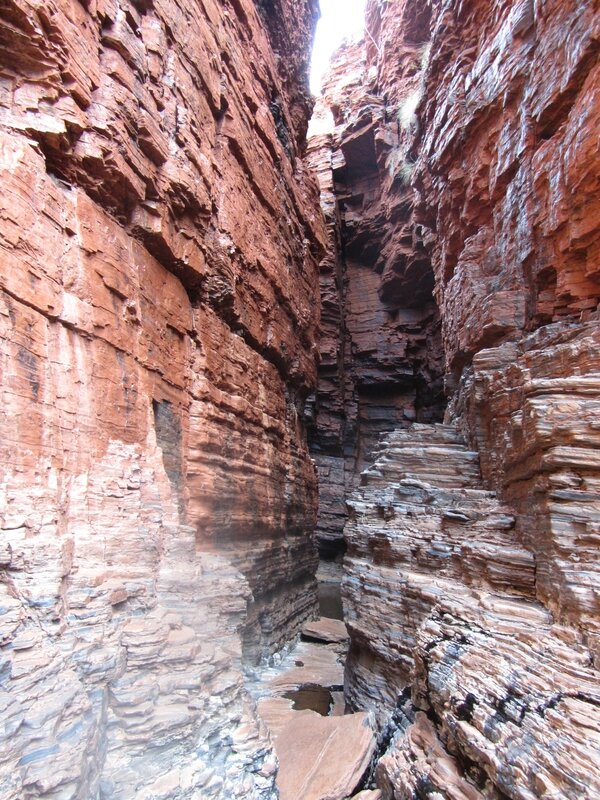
(323, 753)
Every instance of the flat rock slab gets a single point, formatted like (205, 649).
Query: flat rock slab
(316, 665)
(331, 631)
(276, 713)
(323, 758)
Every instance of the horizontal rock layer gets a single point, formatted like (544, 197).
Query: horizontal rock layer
(381, 357)
(533, 408)
(489, 695)
(508, 168)
(471, 599)
(420, 524)
(160, 238)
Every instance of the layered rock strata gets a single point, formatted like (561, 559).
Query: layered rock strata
(520, 257)
(160, 238)
(508, 169)
(489, 694)
(533, 409)
(471, 581)
(380, 341)
(420, 523)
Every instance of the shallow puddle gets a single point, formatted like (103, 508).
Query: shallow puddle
(314, 699)
(330, 600)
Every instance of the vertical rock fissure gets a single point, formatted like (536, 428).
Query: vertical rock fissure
(380, 343)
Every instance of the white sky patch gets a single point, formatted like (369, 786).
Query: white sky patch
(340, 19)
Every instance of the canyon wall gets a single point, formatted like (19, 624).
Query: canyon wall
(380, 345)
(160, 238)
(471, 579)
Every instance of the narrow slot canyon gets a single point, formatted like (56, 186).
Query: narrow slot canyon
(299, 473)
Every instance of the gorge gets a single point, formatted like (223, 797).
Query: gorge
(248, 362)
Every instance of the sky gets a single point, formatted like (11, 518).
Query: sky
(339, 19)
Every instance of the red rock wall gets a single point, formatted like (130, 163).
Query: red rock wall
(471, 582)
(160, 238)
(380, 340)
(508, 179)
(508, 168)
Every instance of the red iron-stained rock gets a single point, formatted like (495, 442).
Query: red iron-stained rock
(160, 237)
(471, 580)
(381, 358)
(508, 168)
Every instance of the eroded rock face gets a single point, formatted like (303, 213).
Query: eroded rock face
(439, 593)
(160, 238)
(533, 409)
(471, 581)
(381, 357)
(507, 169)
(421, 523)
